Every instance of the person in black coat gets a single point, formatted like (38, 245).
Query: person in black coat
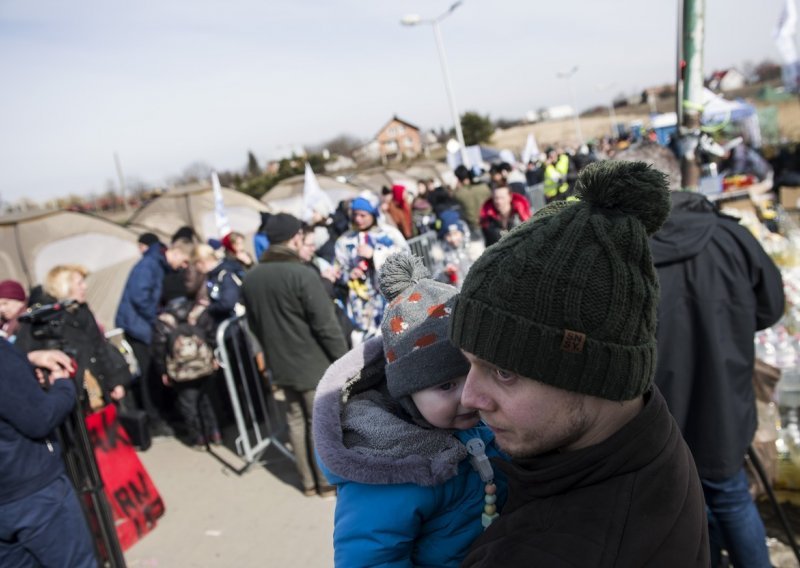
(74, 329)
(718, 287)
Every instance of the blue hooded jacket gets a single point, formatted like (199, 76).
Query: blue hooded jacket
(30, 458)
(407, 495)
(138, 306)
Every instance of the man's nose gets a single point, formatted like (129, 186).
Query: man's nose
(470, 395)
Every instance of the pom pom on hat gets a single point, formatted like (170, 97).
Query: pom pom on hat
(633, 188)
(398, 273)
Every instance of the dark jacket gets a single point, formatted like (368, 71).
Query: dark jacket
(76, 332)
(292, 316)
(718, 287)
(491, 224)
(224, 285)
(30, 457)
(471, 197)
(138, 306)
(633, 500)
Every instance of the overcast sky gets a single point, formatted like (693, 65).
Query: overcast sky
(165, 83)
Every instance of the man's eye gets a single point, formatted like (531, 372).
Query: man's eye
(505, 375)
(447, 386)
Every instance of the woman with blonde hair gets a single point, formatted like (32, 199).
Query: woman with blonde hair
(77, 333)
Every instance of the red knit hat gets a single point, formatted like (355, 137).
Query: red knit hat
(12, 290)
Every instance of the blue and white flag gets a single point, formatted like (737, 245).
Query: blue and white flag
(221, 217)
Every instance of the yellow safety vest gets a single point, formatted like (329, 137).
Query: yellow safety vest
(555, 177)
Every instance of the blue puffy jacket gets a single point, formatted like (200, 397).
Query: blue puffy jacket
(138, 306)
(407, 496)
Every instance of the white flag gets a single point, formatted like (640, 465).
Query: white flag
(223, 226)
(531, 151)
(313, 196)
(785, 40)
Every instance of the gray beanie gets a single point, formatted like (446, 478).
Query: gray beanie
(418, 353)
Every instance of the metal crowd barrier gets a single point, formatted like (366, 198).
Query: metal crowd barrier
(422, 246)
(254, 410)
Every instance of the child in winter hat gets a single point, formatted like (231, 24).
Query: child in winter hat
(392, 435)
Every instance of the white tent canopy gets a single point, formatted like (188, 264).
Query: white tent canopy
(287, 196)
(193, 206)
(33, 243)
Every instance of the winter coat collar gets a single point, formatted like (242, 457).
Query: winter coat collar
(360, 435)
(280, 253)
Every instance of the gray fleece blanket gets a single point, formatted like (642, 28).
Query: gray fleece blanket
(360, 434)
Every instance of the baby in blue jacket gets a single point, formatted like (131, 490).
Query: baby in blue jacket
(410, 463)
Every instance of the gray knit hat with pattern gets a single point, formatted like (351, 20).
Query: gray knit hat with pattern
(569, 298)
(418, 353)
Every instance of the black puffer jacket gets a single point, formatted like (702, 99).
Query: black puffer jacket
(718, 287)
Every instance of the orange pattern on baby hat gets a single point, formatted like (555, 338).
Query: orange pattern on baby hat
(391, 356)
(439, 311)
(397, 325)
(425, 340)
(415, 297)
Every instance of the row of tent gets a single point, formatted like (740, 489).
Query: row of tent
(32, 243)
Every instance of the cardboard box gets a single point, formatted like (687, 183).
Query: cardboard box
(790, 197)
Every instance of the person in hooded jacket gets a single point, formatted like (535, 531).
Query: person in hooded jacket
(223, 283)
(410, 463)
(502, 212)
(718, 287)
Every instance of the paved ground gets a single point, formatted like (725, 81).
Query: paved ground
(215, 518)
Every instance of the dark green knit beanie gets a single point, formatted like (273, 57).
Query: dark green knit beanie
(569, 298)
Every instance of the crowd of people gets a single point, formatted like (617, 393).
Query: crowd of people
(505, 401)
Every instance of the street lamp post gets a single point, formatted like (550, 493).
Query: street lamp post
(612, 116)
(568, 75)
(414, 20)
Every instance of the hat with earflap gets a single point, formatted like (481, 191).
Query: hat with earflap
(418, 353)
(569, 298)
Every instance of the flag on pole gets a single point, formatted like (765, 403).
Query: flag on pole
(314, 199)
(221, 217)
(531, 151)
(785, 34)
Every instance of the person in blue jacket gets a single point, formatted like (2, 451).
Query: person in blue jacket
(410, 463)
(41, 522)
(137, 311)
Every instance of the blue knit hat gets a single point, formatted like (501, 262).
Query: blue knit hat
(363, 204)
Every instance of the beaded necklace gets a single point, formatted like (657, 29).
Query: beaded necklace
(480, 463)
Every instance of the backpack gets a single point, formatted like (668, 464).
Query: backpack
(189, 355)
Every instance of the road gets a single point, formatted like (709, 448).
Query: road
(216, 518)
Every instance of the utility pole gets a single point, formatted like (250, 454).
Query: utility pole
(121, 181)
(690, 91)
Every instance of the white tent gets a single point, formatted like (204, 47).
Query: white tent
(287, 195)
(193, 205)
(33, 243)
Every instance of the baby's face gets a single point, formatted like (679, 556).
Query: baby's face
(441, 405)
